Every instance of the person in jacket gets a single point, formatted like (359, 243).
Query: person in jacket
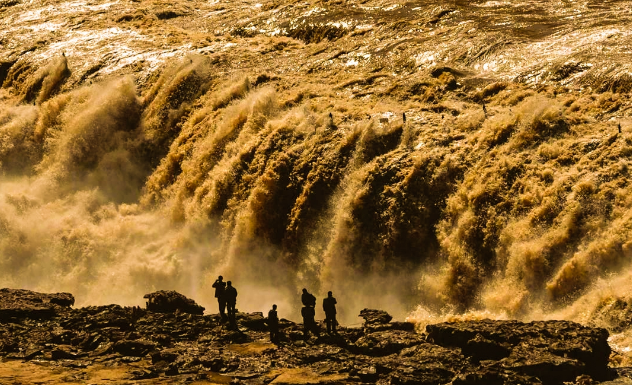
(329, 306)
(220, 287)
(273, 324)
(231, 300)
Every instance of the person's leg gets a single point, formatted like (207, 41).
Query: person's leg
(222, 308)
(315, 328)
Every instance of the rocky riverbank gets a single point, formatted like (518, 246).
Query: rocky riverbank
(173, 342)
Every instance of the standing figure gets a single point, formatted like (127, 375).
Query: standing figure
(308, 299)
(231, 301)
(404, 117)
(309, 323)
(220, 288)
(484, 109)
(273, 324)
(329, 306)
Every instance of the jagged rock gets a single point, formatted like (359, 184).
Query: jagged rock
(31, 353)
(214, 363)
(137, 348)
(167, 355)
(252, 321)
(171, 301)
(144, 374)
(481, 348)
(493, 376)
(306, 376)
(376, 327)
(61, 299)
(18, 303)
(63, 352)
(553, 351)
(102, 349)
(388, 342)
(187, 346)
(372, 317)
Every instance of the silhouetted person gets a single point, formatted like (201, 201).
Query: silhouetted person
(484, 109)
(329, 306)
(273, 324)
(404, 117)
(619, 127)
(220, 288)
(309, 323)
(231, 300)
(308, 299)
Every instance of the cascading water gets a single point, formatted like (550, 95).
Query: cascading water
(163, 179)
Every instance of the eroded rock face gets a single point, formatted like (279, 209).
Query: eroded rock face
(185, 346)
(171, 301)
(17, 303)
(553, 351)
(375, 317)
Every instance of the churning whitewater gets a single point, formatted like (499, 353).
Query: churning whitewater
(157, 146)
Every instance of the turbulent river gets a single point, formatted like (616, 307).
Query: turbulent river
(149, 145)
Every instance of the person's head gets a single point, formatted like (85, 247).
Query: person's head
(274, 307)
(229, 283)
(304, 291)
(220, 278)
(329, 294)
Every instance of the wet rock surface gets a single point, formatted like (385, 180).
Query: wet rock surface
(184, 347)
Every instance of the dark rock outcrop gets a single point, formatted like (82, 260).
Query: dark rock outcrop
(18, 303)
(183, 346)
(171, 301)
(553, 351)
(375, 317)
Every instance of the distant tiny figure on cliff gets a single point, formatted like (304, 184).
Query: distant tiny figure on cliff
(220, 288)
(273, 324)
(231, 301)
(329, 306)
(309, 323)
(404, 117)
(619, 127)
(308, 299)
(484, 109)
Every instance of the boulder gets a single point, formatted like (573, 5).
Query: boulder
(19, 304)
(135, 348)
(171, 301)
(375, 317)
(252, 321)
(167, 355)
(386, 342)
(63, 352)
(553, 351)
